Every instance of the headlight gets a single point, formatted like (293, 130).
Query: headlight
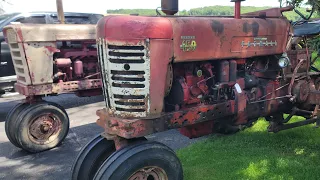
(284, 61)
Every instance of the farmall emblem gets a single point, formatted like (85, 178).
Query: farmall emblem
(259, 42)
(188, 43)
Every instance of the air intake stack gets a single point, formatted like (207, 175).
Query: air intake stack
(170, 7)
(237, 8)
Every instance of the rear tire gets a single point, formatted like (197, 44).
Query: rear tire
(151, 160)
(41, 127)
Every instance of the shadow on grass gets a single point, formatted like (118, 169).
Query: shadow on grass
(255, 154)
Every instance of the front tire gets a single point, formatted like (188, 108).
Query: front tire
(93, 155)
(41, 127)
(91, 158)
(10, 123)
(147, 160)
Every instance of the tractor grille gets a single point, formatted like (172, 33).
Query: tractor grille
(126, 79)
(18, 58)
(101, 57)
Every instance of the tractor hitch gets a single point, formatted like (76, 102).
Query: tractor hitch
(277, 126)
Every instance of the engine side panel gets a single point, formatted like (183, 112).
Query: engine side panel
(203, 38)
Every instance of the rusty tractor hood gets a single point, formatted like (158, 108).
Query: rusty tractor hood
(200, 38)
(50, 32)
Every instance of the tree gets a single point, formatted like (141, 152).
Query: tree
(314, 42)
(298, 3)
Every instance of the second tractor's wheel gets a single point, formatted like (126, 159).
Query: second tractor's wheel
(91, 158)
(10, 123)
(41, 127)
(145, 161)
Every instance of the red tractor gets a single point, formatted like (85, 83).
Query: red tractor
(202, 75)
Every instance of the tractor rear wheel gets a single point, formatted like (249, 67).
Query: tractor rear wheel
(41, 126)
(146, 160)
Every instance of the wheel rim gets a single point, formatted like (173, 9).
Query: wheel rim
(44, 128)
(149, 173)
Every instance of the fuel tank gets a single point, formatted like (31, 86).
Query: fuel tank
(203, 38)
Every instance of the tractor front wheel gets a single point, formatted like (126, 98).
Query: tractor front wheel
(145, 161)
(91, 158)
(93, 155)
(41, 126)
(10, 123)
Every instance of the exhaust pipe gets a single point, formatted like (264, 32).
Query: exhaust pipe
(237, 8)
(170, 7)
(60, 11)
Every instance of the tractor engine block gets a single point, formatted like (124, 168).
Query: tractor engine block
(75, 62)
(195, 83)
(251, 83)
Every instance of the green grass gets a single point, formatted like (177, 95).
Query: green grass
(317, 62)
(255, 154)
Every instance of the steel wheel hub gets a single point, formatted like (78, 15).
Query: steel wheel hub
(44, 128)
(149, 173)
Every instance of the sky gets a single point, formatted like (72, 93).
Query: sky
(100, 6)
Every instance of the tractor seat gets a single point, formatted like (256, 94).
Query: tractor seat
(307, 29)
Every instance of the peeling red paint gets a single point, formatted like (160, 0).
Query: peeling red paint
(28, 59)
(19, 33)
(52, 49)
(131, 128)
(62, 87)
(32, 76)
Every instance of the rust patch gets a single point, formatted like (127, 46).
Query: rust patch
(222, 40)
(254, 28)
(71, 86)
(32, 76)
(132, 128)
(217, 27)
(52, 49)
(28, 59)
(19, 33)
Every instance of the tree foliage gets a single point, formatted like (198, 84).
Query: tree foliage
(207, 11)
(298, 3)
(314, 42)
